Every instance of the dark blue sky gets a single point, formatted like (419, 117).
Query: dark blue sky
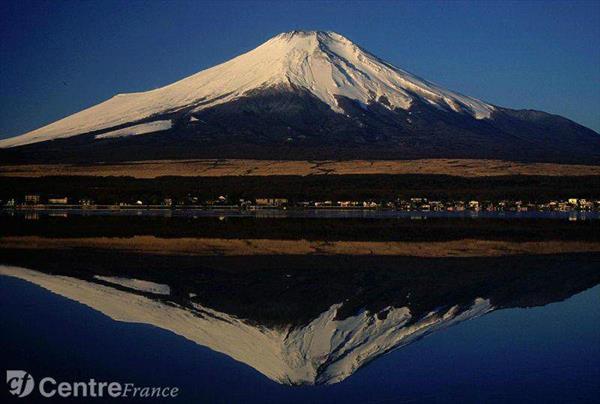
(57, 58)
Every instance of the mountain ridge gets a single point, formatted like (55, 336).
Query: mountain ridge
(309, 94)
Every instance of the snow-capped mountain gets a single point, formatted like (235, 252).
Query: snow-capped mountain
(311, 94)
(325, 64)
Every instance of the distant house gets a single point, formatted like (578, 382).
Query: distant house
(459, 206)
(86, 202)
(58, 200)
(191, 200)
(244, 204)
(323, 204)
(32, 199)
(403, 205)
(271, 201)
(573, 201)
(436, 206)
(370, 204)
(167, 202)
(418, 200)
(348, 204)
(221, 200)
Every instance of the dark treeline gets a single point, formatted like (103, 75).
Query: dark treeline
(110, 190)
(359, 229)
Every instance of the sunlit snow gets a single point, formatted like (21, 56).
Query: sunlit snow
(137, 284)
(324, 63)
(140, 129)
(324, 351)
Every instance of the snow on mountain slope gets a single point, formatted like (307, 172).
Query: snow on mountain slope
(137, 284)
(326, 64)
(324, 351)
(141, 129)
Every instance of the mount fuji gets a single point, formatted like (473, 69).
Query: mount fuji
(303, 95)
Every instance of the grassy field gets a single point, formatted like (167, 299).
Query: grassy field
(210, 236)
(218, 168)
(245, 247)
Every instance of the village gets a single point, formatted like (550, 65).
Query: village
(420, 204)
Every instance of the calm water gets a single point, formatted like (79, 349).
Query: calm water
(545, 354)
(268, 322)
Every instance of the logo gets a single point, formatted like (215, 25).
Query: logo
(20, 383)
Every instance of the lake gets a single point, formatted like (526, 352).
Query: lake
(306, 309)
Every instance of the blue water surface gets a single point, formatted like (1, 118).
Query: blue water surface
(547, 354)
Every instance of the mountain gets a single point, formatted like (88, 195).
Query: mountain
(304, 95)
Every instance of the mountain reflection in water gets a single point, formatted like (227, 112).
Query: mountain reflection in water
(315, 322)
(301, 301)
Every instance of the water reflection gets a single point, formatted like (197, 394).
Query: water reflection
(301, 300)
(312, 213)
(302, 319)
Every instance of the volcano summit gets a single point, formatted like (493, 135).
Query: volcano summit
(304, 95)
